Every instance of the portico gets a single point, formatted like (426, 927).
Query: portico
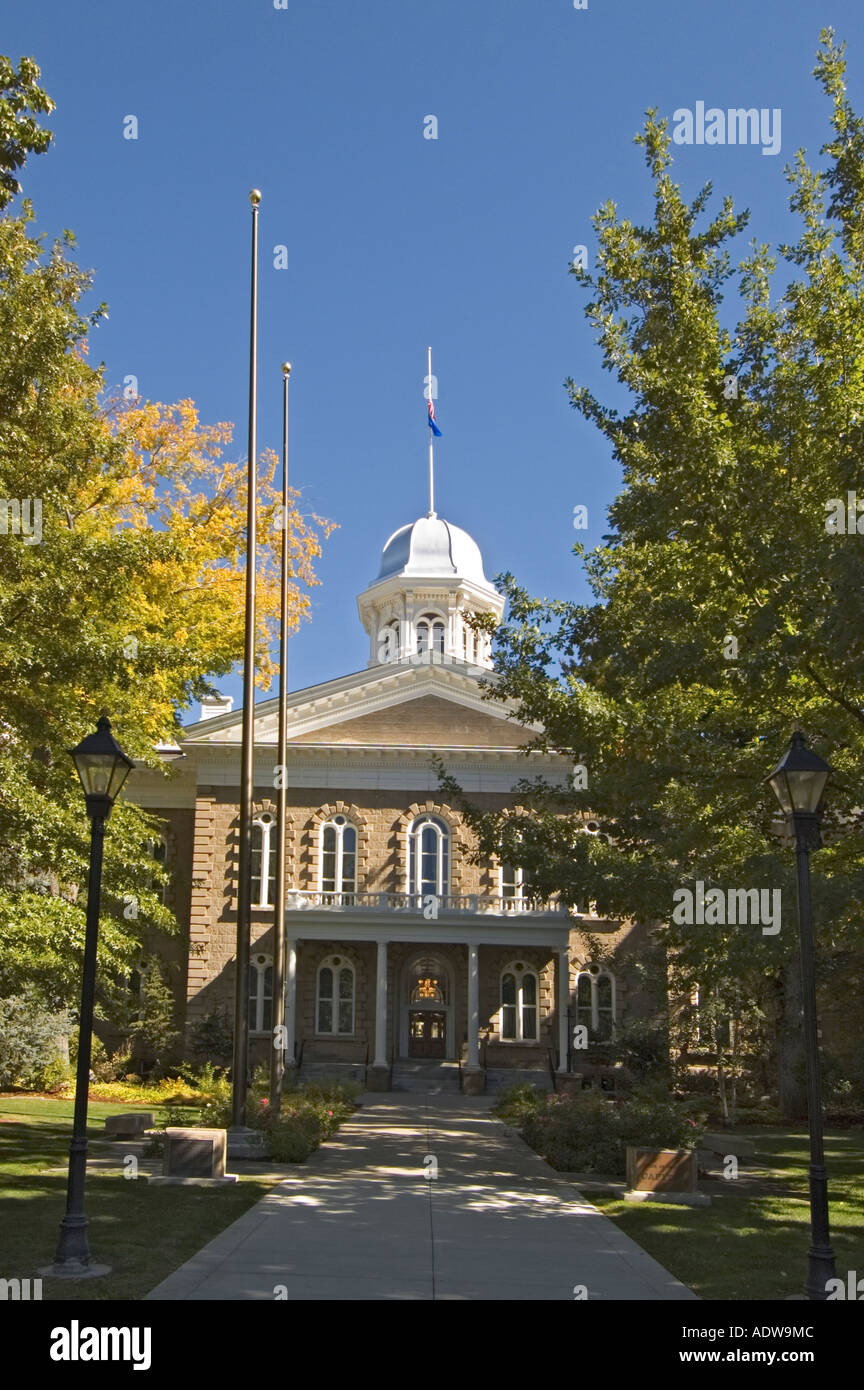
(433, 986)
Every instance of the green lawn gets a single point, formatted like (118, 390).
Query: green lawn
(142, 1232)
(755, 1246)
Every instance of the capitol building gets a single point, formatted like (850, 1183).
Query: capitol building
(405, 957)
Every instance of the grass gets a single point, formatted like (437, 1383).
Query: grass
(749, 1246)
(142, 1232)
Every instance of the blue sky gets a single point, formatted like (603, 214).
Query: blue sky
(395, 241)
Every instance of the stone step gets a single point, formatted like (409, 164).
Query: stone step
(500, 1078)
(333, 1071)
(426, 1077)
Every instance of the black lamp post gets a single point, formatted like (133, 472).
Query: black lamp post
(103, 768)
(798, 782)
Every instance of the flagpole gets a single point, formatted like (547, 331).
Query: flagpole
(431, 445)
(277, 1058)
(244, 883)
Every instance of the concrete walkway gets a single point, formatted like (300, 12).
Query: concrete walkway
(360, 1220)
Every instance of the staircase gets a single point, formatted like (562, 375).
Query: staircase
(333, 1071)
(500, 1078)
(426, 1078)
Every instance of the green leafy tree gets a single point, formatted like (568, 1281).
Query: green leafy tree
(122, 556)
(21, 99)
(726, 611)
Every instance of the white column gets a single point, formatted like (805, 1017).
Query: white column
(473, 1007)
(563, 1006)
(381, 1007)
(290, 1002)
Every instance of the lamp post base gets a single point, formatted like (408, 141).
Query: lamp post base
(820, 1269)
(243, 1142)
(74, 1269)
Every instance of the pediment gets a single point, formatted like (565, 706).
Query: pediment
(389, 706)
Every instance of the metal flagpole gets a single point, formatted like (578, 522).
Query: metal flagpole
(431, 446)
(244, 884)
(277, 1059)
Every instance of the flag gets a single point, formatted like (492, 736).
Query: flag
(433, 427)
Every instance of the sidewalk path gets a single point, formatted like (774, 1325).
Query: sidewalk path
(360, 1220)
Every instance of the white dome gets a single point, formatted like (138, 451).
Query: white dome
(430, 548)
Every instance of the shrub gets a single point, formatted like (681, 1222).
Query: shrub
(585, 1133)
(518, 1103)
(111, 1066)
(55, 1076)
(577, 1133)
(29, 1039)
(293, 1138)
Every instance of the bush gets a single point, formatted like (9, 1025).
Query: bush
(29, 1039)
(519, 1103)
(110, 1066)
(577, 1134)
(585, 1133)
(54, 1076)
(293, 1138)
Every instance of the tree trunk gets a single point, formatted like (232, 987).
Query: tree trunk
(791, 1060)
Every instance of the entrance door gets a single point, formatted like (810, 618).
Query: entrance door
(427, 1033)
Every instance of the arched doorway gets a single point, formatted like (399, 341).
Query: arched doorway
(426, 1031)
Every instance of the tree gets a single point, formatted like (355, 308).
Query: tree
(726, 610)
(153, 1033)
(20, 134)
(122, 542)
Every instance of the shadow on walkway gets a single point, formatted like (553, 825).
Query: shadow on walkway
(366, 1217)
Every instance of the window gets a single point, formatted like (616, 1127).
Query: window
(429, 857)
(263, 860)
(595, 1002)
(516, 889)
(388, 648)
(339, 861)
(519, 995)
(430, 634)
(428, 982)
(260, 994)
(334, 1012)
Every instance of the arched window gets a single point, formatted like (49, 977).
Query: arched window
(430, 634)
(595, 1002)
(263, 859)
(260, 994)
(428, 983)
(334, 1004)
(519, 998)
(339, 861)
(429, 856)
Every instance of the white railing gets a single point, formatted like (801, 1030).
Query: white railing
(296, 900)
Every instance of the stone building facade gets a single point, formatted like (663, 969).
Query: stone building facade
(401, 949)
